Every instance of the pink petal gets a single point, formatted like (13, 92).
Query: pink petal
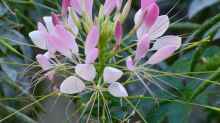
(166, 41)
(119, 4)
(118, 32)
(139, 16)
(72, 25)
(67, 39)
(41, 27)
(86, 71)
(92, 56)
(89, 6)
(159, 28)
(38, 39)
(130, 64)
(76, 4)
(57, 44)
(142, 30)
(161, 55)
(117, 89)
(44, 61)
(49, 23)
(43, 36)
(142, 47)
(72, 85)
(50, 74)
(92, 39)
(65, 5)
(109, 6)
(112, 74)
(146, 3)
(152, 14)
(55, 18)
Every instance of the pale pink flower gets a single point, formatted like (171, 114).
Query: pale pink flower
(164, 46)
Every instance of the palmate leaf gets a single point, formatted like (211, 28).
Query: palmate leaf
(166, 112)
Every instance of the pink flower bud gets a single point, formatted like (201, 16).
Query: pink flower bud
(65, 5)
(118, 33)
(151, 15)
(146, 3)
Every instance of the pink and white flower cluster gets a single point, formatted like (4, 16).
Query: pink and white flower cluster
(60, 34)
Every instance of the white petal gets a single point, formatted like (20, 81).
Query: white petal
(161, 54)
(38, 39)
(72, 25)
(160, 27)
(142, 30)
(86, 71)
(49, 23)
(138, 17)
(112, 74)
(117, 90)
(72, 85)
(167, 40)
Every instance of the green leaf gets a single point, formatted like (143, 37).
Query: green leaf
(3, 10)
(162, 112)
(198, 34)
(6, 110)
(205, 84)
(199, 5)
(5, 43)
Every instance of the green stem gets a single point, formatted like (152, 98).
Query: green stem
(206, 26)
(205, 84)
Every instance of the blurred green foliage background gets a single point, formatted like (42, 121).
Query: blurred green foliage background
(197, 67)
